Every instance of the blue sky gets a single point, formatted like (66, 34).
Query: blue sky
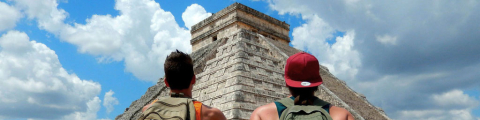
(111, 75)
(365, 43)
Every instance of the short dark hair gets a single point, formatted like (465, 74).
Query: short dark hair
(178, 69)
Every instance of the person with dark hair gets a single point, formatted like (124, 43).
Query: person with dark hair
(302, 78)
(180, 78)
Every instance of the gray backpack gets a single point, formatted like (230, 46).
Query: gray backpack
(304, 112)
(170, 108)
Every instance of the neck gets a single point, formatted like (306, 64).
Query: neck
(313, 94)
(186, 92)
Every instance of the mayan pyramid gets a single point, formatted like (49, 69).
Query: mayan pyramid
(239, 55)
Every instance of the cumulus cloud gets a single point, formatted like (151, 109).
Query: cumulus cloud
(455, 105)
(436, 115)
(434, 91)
(141, 36)
(8, 16)
(407, 50)
(91, 114)
(387, 39)
(343, 58)
(455, 98)
(45, 12)
(340, 57)
(194, 14)
(33, 81)
(109, 101)
(422, 32)
(312, 33)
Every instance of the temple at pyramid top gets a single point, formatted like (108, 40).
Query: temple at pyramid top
(239, 56)
(234, 17)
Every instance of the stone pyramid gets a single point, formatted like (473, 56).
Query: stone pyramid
(239, 55)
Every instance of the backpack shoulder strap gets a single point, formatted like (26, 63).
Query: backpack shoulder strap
(198, 109)
(174, 103)
(320, 102)
(317, 106)
(189, 103)
(287, 102)
(191, 109)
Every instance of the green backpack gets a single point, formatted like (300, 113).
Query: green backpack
(170, 108)
(303, 112)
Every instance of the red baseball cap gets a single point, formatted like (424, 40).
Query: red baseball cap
(302, 70)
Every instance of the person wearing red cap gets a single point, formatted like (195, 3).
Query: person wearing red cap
(302, 78)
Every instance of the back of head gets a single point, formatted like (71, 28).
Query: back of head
(303, 96)
(178, 69)
(302, 76)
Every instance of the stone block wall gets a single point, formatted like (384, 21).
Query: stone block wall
(239, 57)
(237, 16)
(242, 76)
(244, 70)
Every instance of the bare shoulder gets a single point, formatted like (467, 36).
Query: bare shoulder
(339, 113)
(210, 113)
(266, 108)
(265, 112)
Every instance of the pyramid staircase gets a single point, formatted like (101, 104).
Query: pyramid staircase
(239, 57)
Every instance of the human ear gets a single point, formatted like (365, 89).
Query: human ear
(166, 83)
(194, 80)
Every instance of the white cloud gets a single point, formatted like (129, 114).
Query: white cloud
(8, 16)
(387, 39)
(401, 51)
(33, 81)
(285, 6)
(194, 14)
(341, 59)
(16, 43)
(45, 12)
(449, 103)
(142, 35)
(351, 2)
(311, 34)
(104, 119)
(455, 98)
(436, 115)
(93, 106)
(109, 101)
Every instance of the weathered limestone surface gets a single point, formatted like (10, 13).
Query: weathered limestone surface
(237, 16)
(243, 68)
(133, 112)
